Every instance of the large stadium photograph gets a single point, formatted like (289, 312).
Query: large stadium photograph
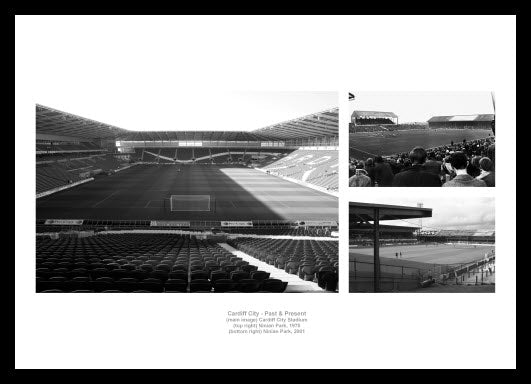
(422, 139)
(191, 210)
(422, 245)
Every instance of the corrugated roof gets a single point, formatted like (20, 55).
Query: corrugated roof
(53, 122)
(461, 118)
(321, 124)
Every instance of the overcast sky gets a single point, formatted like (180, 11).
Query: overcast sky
(453, 212)
(420, 106)
(191, 110)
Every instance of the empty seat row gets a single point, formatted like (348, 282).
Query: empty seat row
(112, 262)
(156, 285)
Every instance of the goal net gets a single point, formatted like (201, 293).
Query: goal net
(189, 203)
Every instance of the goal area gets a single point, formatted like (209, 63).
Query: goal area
(179, 203)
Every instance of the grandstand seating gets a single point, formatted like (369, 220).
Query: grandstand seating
(167, 155)
(68, 147)
(312, 166)
(310, 259)
(223, 155)
(184, 153)
(200, 153)
(301, 231)
(50, 176)
(144, 263)
(66, 170)
(386, 127)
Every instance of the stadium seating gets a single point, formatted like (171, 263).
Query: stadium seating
(310, 259)
(301, 231)
(184, 153)
(143, 262)
(66, 170)
(51, 176)
(385, 127)
(167, 155)
(312, 166)
(68, 147)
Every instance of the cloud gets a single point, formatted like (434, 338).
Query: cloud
(449, 212)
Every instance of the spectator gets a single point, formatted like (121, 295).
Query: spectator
(473, 167)
(360, 179)
(459, 163)
(475, 150)
(490, 154)
(432, 165)
(383, 174)
(415, 175)
(487, 174)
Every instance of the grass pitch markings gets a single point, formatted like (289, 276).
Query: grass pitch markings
(101, 201)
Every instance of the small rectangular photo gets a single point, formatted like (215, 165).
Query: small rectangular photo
(422, 139)
(422, 245)
(241, 196)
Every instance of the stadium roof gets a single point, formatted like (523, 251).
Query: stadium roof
(364, 212)
(401, 228)
(461, 118)
(53, 122)
(325, 123)
(373, 115)
(191, 136)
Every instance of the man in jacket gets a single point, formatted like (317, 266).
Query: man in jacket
(383, 174)
(415, 175)
(459, 162)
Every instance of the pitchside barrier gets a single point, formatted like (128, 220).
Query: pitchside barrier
(47, 225)
(462, 270)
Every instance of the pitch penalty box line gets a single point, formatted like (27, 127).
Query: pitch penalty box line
(108, 197)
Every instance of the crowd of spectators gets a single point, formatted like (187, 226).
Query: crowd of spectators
(464, 164)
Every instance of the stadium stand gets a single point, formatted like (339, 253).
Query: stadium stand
(373, 118)
(144, 262)
(483, 121)
(60, 172)
(367, 164)
(431, 256)
(311, 166)
(121, 233)
(310, 259)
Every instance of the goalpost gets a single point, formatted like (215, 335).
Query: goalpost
(190, 203)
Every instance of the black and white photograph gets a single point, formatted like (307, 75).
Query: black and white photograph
(423, 245)
(248, 206)
(422, 139)
(167, 165)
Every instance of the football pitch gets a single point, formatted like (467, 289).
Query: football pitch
(432, 254)
(363, 145)
(143, 192)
